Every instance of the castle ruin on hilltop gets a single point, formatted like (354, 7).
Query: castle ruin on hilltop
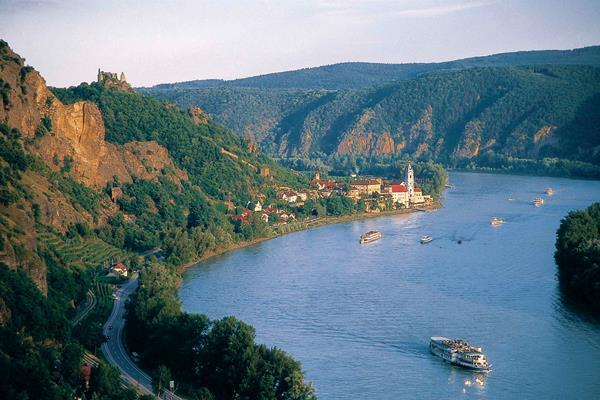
(111, 80)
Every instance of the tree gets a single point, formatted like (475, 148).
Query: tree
(203, 240)
(161, 376)
(226, 356)
(578, 254)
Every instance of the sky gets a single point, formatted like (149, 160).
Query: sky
(179, 40)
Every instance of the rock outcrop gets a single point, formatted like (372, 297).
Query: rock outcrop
(199, 116)
(470, 141)
(110, 80)
(74, 134)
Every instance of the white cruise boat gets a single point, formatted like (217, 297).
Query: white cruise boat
(495, 221)
(426, 239)
(370, 236)
(459, 352)
(538, 202)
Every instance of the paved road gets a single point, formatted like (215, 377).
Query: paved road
(114, 349)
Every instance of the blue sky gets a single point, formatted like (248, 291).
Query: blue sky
(178, 40)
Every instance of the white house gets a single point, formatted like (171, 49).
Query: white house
(289, 196)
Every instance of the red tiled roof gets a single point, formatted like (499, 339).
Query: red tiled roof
(398, 188)
(86, 370)
(243, 218)
(417, 189)
(119, 267)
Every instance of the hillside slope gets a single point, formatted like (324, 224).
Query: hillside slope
(467, 115)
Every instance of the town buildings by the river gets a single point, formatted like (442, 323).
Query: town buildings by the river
(376, 193)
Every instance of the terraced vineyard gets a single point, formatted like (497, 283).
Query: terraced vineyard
(105, 302)
(87, 253)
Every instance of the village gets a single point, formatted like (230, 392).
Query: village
(373, 194)
(299, 209)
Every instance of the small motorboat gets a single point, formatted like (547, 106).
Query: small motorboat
(549, 191)
(495, 221)
(538, 202)
(426, 239)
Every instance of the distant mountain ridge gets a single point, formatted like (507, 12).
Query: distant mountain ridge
(354, 75)
(480, 116)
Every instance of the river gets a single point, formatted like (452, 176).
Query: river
(359, 317)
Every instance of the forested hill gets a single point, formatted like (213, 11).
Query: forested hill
(481, 116)
(353, 75)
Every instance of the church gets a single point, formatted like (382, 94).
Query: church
(406, 193)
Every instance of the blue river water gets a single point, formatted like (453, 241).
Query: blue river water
(359, 317)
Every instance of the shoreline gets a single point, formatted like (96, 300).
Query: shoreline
(493, 171)
(318, 222)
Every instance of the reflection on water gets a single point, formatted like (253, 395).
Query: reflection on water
(359, 318)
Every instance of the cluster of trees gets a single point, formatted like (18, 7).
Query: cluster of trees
(14, 161)
(578, 254)
(208, 359)
(490, 161)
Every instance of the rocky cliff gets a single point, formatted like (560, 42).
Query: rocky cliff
(73, 133)
(67, 138)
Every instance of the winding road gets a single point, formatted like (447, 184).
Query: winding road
(114, 349)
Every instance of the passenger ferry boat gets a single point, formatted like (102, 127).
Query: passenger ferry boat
(426, 239)
(496, 221)
(538, 201)
(459, 352)
(549, 191)
(370, 236)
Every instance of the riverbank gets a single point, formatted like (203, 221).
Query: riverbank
(305, 225)
(588, 172)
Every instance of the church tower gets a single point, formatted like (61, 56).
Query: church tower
(410, 181)
(318, 175)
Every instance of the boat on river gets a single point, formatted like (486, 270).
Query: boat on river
(538, 202)
(495, 221)
(459, 352)
(426, 239)
(549, 191)
(370, 236)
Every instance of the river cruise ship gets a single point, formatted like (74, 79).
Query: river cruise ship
(495, 221)
(538, 202)
(426, 239)
(459, 352)
(370, 236)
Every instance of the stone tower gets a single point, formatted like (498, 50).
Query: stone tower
(318, 175)
(100, 76)
(410, 181)
(123, 77)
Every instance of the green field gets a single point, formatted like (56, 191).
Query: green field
(84, 253)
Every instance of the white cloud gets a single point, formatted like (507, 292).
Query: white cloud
(395, 8)
(440, 9)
